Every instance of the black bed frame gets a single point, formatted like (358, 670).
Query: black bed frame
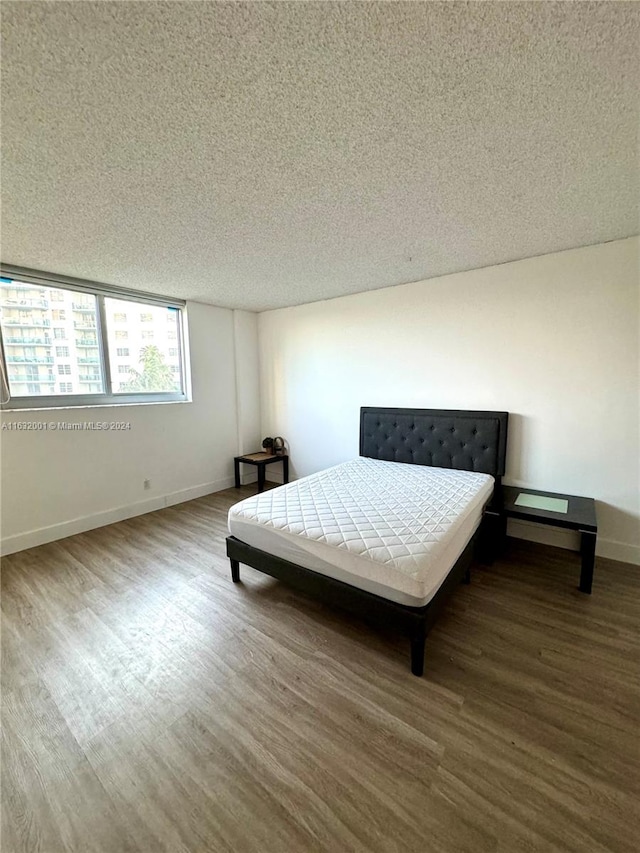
(463, 440)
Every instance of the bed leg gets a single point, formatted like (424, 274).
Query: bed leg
(235, 571)
(493, 535)
(417, 652)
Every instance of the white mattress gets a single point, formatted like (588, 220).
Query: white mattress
(385, 527)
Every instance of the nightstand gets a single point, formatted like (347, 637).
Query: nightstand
(557, 510)
(261, 460)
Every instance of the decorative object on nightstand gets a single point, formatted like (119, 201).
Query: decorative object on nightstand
(267, 444)
(279, 447)
(557, 510)
(261, 460)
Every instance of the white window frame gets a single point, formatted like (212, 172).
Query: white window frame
(108, 397)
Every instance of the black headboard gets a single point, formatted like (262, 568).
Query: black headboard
(442, 438)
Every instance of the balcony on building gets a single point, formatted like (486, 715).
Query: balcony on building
(30, 341)
(30, 359)
(29, 323)
(22, 285)
(16, 302)
(20, 377)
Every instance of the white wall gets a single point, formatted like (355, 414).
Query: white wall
(56, 483)
(553, 340)
(245, 335)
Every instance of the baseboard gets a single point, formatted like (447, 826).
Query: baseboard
(570, 539)
(275, 477)
(621, 551)
(42, 535)
(529, 531)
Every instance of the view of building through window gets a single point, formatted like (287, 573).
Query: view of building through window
(150, 360)
(30, 324)
(51, 343)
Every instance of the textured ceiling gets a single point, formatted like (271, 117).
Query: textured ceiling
(256, 155)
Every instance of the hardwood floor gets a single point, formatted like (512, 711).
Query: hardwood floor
(149, 704)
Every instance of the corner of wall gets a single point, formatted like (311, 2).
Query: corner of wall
(247, 379)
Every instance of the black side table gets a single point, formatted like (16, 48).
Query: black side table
(580, 515)
(261, 460)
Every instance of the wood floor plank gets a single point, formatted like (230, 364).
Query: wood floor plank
(149, 704)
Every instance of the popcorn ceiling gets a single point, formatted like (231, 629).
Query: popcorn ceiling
(258, 155)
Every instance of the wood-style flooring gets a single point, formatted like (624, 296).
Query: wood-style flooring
(149, 704)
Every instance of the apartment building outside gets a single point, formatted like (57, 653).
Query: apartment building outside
(51, 341)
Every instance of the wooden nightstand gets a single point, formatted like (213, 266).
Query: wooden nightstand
(261, 460)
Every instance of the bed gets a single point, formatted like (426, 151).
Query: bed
(387, 536)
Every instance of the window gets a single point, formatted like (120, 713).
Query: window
(150, 368)
(146, 368)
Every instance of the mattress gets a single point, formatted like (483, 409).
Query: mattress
(389, 528)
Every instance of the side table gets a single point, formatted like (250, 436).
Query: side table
(557, 510)
(260, 460)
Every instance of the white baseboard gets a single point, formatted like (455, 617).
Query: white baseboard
(570, 540)
(621, 551)
(275, 477)
(529, 531)
(42, 535)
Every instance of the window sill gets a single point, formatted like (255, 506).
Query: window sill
(92, 406)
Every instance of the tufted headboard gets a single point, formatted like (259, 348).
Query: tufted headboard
(442, 438)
